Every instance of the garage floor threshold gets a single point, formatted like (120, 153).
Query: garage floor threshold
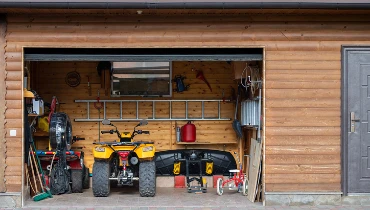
(165, 199)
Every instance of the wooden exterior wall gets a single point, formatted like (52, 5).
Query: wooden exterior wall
(2, 103)
(302, 76)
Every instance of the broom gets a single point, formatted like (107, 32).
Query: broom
(42, 195)
(42, 172)
(34, 189)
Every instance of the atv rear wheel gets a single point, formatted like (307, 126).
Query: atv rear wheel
(147, 181)
(100, 179)
(86, 179)
(76, 179)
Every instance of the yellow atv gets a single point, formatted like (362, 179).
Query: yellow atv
(123, 162)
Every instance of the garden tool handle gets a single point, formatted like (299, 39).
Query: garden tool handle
(103, 132)
(76, 138)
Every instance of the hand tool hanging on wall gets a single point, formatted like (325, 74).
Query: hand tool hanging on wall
(259, 110)
(200, 76)
(98, 105)
(104, 69)
(53, 106)
(223, 95)
(236, 124)
(88, 86)
(180, 86)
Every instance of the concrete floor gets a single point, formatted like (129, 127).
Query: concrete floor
(129, 197)
(165, 199)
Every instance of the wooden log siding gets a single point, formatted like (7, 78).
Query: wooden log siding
(302, 74)
(2, 104)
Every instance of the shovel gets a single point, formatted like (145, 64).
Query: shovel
(236, 124)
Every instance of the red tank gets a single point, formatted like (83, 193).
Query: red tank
(188, 132)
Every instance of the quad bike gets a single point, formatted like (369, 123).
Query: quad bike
(123, 162)
(236, 180)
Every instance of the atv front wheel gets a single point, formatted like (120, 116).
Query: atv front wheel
(100, 179)
(147, 181)
(76, 179)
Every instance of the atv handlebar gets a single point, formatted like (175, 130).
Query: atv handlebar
(136, 132)
(76, 138)
(142, 132)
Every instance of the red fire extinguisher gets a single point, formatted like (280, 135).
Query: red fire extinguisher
(188, 132)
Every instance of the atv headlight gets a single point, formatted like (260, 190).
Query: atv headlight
(100, 149)
(148, 149)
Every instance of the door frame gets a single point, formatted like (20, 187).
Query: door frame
(24, 192)
(344, 110)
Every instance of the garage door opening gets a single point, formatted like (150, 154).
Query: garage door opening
(215, 90)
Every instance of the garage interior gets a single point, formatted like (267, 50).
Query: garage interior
(202, 86)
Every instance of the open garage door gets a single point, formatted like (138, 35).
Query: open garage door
(143, 54)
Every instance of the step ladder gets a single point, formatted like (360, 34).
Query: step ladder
(153, 118)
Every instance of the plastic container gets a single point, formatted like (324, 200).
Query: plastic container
(188, 132)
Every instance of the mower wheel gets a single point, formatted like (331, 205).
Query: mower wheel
(76, 178)
(100, 179)
(147, 181)
(220, 191)
(59, 181)
(245, 187)
(86, 179)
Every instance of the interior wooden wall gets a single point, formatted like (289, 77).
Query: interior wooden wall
(49, 80)
(302, 67)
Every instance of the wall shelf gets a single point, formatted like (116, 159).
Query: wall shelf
(40, 133)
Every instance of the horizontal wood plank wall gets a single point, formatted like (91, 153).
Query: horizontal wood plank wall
(2, 104)
(302, 74)
(49, 80)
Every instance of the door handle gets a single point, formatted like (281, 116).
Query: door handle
(353, 120)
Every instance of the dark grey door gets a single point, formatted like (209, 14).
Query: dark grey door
(358, 113)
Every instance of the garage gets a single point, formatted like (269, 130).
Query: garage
(196, 58)
(170, 89)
